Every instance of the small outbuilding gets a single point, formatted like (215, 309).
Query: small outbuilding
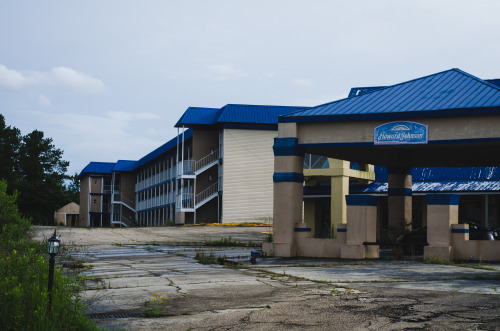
(68, 215)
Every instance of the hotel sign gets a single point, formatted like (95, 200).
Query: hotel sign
(400, 133)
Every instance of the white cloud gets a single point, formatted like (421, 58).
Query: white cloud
(302, 82)
(107, 138)
(58, 76)
(76, 81)
(15, 80)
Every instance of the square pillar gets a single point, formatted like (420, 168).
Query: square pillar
(399, 201)
(442, 212)
(361, 227)
(288, 181)
(339, 190)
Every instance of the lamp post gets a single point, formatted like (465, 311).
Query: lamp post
(53, 246)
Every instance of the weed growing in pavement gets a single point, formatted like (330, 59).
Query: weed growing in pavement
(156, 303)
(205, 259)
(225, 242)
(436, 260)
(479, 277)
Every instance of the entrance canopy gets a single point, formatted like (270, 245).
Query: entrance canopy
(448, 119)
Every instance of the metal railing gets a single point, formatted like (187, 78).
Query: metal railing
(312, 161)
(185, 167)
(203, 162)
(184, 201)
(127, 201)
(206, 193)
(163, 176)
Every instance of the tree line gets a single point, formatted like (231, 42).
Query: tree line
(34, 167)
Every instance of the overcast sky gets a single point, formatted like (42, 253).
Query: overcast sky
(107, 80)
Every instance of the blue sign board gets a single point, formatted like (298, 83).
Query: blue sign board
(400, 133)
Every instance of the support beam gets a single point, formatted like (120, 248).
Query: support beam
(400, 201)
(288, 181)
(442, 213)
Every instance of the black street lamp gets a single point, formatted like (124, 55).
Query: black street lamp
(53, 246)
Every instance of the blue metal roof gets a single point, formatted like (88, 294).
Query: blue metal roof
(453, 90)
(495, 81)
(254, 114)
(437, 186)
(235, 114)
(124, 166)
(198, 116)
(472, 179)
(445, 174)
(362, 90)
(97, 168)
(168, 146)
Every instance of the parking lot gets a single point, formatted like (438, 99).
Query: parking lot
(132, 270)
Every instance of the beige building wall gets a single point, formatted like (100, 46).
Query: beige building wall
(466, 127)
(64, 214)
(248, 175)
(84, 202)
(127, 185)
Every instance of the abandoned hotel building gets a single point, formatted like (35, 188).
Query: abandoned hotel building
(334, 179)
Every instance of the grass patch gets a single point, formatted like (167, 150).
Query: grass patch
(225, 242)
(436, 260)
(206, 259)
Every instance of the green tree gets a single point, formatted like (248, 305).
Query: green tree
(13, 227)
(42, 171)
(10, 142)
(73, 188)
(34, 167)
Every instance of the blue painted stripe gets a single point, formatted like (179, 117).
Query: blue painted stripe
(342, 230)
(465, 141)
(336, 144)
(302, 229)
(284, 177)
(361, 200)
(171, 204)
(400, 192)
(286, 147)
(460, 231)
(442, 199)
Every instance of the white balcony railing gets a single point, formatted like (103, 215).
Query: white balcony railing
(211, 190)
(185, 167)
(203, 162)
(184, 201)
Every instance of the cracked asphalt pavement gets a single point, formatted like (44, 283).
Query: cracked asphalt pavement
(130, 267)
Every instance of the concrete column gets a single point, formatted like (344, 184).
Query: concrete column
(442, 212)
(399, 201)
(361, 228)
(180, 217)
(288, 181)
(339, 190)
